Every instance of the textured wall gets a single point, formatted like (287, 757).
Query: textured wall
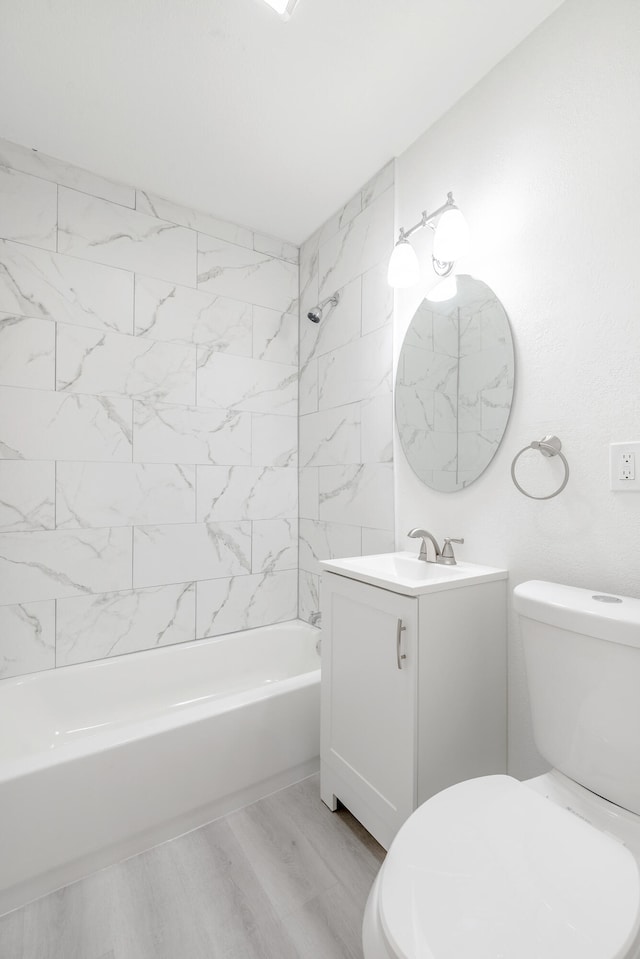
(346, 418)
(148, 420)
(543, 158)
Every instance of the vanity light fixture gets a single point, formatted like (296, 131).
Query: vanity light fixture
(451, 241)
(283, 7)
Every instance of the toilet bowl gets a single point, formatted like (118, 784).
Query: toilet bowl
(494, 868)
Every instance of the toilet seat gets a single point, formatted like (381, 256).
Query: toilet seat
(490, 869)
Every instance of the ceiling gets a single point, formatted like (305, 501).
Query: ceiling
(222, 106)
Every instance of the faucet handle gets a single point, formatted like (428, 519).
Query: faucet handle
(448, 556)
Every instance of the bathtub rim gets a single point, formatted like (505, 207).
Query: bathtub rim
(157, 722)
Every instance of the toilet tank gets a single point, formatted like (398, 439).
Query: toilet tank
(582, 654)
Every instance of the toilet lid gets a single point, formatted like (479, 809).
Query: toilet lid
(490, 869)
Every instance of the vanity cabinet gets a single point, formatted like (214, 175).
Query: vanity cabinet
(413, 692)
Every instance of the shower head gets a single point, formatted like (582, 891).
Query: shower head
(315, 315)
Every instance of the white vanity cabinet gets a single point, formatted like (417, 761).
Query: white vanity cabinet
(413, 686)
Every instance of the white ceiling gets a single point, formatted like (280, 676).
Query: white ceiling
(220, 105)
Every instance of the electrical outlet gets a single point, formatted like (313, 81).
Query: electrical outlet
(622, 466)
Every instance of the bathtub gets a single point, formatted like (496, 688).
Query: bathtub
(102, 760)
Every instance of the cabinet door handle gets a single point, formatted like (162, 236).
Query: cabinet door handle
(399, 631)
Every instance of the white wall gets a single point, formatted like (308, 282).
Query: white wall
(148, 420)
(544, 158)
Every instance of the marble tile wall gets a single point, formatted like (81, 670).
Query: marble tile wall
(345, 391)
(148, 420)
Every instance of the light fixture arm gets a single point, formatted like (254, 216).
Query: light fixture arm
(427, 219)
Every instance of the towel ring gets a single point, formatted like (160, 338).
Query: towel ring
(548, 446)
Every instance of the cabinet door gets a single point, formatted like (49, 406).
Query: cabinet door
(369, 699)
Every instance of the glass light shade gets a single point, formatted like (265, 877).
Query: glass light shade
(404, 269)
(446, 290)
(451, 239)
(283, 7)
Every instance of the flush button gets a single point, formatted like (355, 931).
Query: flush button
(607, 599)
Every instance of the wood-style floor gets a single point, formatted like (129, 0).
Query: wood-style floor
(283, 878)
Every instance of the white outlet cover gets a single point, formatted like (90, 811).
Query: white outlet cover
(616, 451)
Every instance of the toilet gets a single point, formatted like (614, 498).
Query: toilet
(494, 868)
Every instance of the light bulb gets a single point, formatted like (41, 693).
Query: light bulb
(446, 290)
(451, 239)
(404, 269)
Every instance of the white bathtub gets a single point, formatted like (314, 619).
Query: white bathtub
(102, 760)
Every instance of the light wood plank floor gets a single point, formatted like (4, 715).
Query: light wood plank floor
(283, 878)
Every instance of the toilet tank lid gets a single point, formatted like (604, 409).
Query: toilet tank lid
(588, 611)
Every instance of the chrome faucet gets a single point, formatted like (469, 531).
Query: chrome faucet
(446, 557)
(314, 618)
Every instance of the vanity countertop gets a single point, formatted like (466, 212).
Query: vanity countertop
(404, 573)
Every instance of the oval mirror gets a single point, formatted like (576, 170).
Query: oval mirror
(455, 385)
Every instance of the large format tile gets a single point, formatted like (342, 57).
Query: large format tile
(58, 563)
(361, 494)
(94, 627)
(114, 235)
(275, 440)
(247, 275)
(308, 492)
(189, 434)
(246, 492)
(340, 324)
(89, 361)
(194, 219)
(178, 314)
(275, 336)
(357, 247)
(377, 297)
(27, 495)
(35, 424)
(326, 541)
(308, 595)
(377, 429)
(123, 494)
(244, 602)
(48, 285)
(27, 352)
(27, 638)
(180, 553)
(330, 437)
(275, 247)
(39, 164)
(357, 371)
(274, 545)
(28, 209)
(241, 383)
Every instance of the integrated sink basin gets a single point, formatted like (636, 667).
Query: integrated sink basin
(406, 574)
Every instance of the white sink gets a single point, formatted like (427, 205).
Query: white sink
(405, 573)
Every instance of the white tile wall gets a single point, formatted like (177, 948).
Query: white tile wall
(104, 232)
(28, 211)
(27, 638)
(114, 364)
(179, 552)
(246, 602)
(247, 274)
(27, 352)
(37, 283)
(27, 495)
(148, 419)
(95, 627)
(345, 399)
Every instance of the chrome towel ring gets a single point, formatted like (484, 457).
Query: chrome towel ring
(548, 446)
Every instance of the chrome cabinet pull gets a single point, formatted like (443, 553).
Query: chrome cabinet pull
(399, 631)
